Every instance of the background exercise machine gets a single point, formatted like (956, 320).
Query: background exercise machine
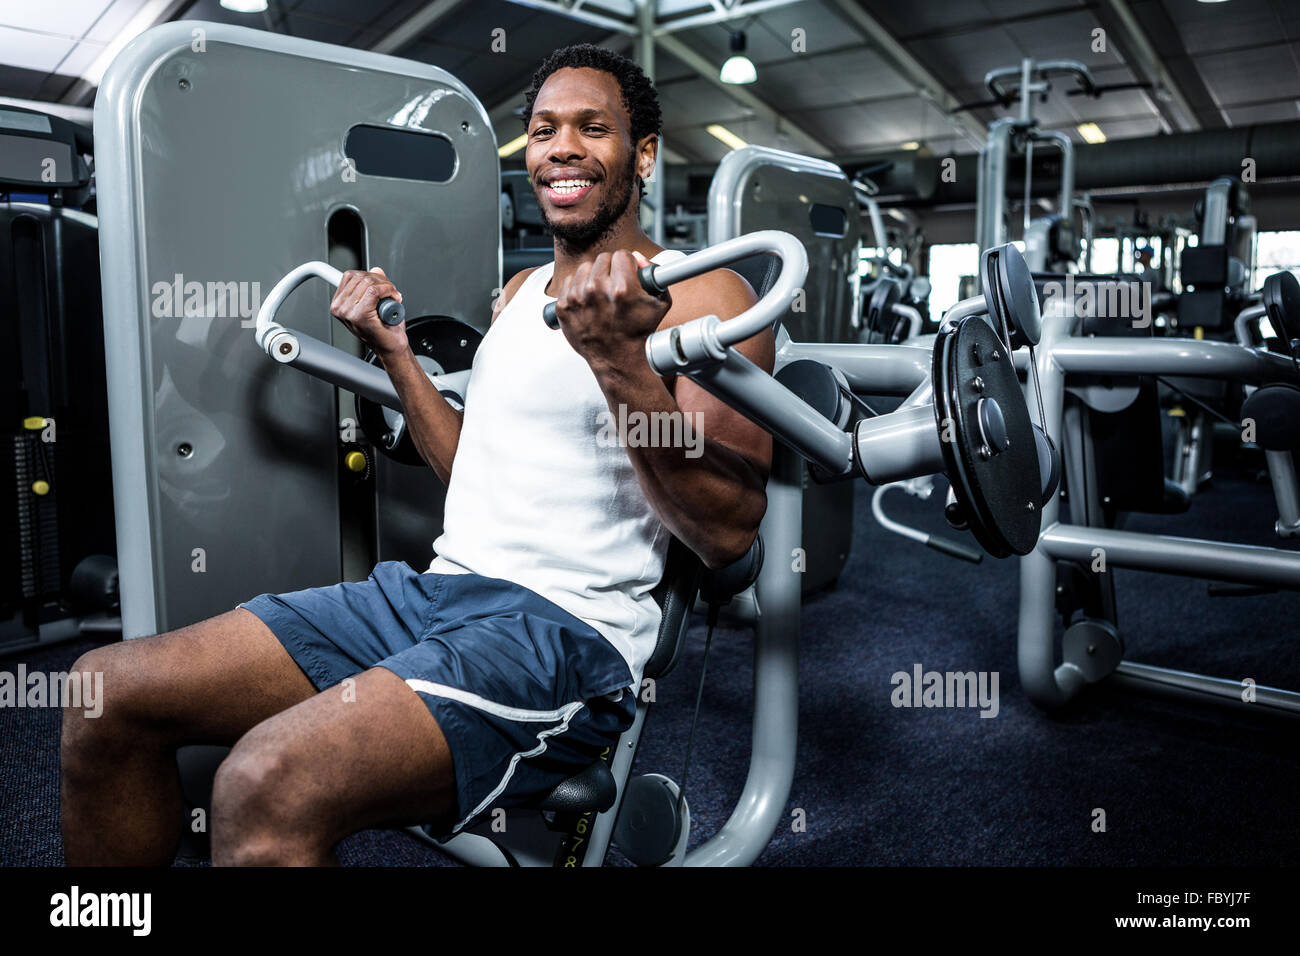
(58, 574)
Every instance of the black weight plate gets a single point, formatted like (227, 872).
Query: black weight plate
(448, 342)
(1009, 290)
(1001, 494)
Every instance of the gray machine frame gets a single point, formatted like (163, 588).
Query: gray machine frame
(1004, 133)
(175, 107)
(1093, 653)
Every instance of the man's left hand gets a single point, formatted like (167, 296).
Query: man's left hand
(606, 315)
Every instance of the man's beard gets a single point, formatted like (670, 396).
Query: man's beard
(578, 237)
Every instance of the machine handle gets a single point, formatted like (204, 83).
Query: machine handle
(704, 341)
(391, 312)
(647, 276)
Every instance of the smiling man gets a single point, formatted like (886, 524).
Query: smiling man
(513, 661)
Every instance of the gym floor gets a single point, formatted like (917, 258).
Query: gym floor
(1181, 784)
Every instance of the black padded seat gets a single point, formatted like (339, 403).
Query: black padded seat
(1275, 410)
(684, 576)
(592, 789)
(1176, 500)
(760, 271)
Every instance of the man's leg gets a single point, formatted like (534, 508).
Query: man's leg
(360, 754)
(206, 683)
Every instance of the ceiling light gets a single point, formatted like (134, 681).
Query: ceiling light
(726, 136)
(1091, 133)
(514, 146)
(245, 6)
(738, 69)
(910, 144)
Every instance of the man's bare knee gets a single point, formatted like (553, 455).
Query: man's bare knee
(98, 725)
(259, 817)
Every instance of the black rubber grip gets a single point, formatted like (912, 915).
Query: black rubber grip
(391, 312)
(953, 549)
(647, 276)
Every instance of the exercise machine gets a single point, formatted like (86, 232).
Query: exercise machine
(1092, 649)
(1050, 243)
(969, 390)
(58, 576)
(232, 477)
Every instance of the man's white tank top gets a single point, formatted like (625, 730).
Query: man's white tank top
(535, 498)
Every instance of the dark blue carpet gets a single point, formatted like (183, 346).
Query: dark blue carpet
(1180, 784)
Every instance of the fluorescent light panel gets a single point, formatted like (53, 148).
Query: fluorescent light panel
(514, 146)
(1091, 133)
(725, 135)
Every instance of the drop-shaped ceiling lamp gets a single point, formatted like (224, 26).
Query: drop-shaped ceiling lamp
(738, 69)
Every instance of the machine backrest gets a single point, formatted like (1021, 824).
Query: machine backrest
(675, 595)
(758, 188)
(219, 171)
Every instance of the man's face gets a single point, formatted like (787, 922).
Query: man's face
(580, 156)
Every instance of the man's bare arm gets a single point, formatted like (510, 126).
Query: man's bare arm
(712, 501)
(433, 424)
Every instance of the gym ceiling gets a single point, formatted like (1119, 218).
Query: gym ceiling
(876, 75)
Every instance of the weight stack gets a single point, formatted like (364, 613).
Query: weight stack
(32, 567)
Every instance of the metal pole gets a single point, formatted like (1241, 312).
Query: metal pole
(776, 678)
(1026, 101)
(645, 19)
(1046, 684)
(1189, 557)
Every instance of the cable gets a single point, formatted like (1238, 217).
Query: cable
(1196, 401)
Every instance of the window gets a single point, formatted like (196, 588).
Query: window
(949, 262)
(1275, 252)
(868, 268)
(1105, 256)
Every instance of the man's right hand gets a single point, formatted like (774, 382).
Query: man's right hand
(356, 304)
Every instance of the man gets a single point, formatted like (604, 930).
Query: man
(513, 661)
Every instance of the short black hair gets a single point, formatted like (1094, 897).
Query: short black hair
(640, 98)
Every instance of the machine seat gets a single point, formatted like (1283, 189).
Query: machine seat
(684, 576)
(1176, 499)
(590, 789)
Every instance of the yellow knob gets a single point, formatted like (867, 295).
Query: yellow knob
(34, 424)
(355, 461)
(41, 487)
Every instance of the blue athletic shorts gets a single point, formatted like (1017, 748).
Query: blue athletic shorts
(525, 693)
